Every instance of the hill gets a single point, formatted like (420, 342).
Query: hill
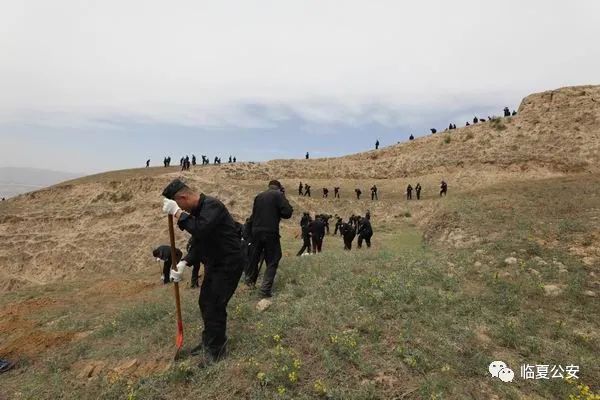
(420, 315)
(14, 181)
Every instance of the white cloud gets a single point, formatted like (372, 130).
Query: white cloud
(193, 60)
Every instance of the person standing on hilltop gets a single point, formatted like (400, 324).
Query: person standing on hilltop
(418, 190)
(443, 188)
(325, 193)
(147, 163)
(377, 145)
(307, 156)
(300, 187)
(358, 193)
(374, 193)
(409, 190)
(216, 243)
(269, 208)
(336, 192)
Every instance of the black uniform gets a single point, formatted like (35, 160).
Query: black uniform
(358, 193)
(269, 208)
(307, 190)
(374, 193)
(164, 253)
(317, 232)
(336, 192)
(348, 233)
(443, 188)
(411, 137)
(377, 145)
(409, 190)
(338, 225)
(325, 192)
(365, 232)
(300, 187)
(418, 190)
(216, 243)
(305, 239)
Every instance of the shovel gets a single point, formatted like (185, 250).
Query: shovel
(179, 338)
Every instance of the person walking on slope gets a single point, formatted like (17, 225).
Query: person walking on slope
(269, 208)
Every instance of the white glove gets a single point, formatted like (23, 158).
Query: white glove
(170, 207)
(177, 276)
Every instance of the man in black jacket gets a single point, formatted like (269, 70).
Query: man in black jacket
(216, 243)
(164, 253)
(317, 233)
(348, 233)
(269, 208)
(304, 222)
(365, 232)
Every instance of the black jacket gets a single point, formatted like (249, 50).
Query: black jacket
(164, 253)
(348, 231)
(365, 228)
(269, 208)
(215, 235)
(317, 228)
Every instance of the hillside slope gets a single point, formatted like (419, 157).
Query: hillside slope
(88, 225)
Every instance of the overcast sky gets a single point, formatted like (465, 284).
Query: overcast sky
(88, 86)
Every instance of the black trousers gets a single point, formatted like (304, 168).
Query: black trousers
(219, 284)
(167, 271)
(374, 196)
(366, 238)
(348, 242)
(305, 245)
(317, 242)
(408, 195)
(418, 195)
(270, 244)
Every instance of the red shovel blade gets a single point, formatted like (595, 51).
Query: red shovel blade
(179, 339)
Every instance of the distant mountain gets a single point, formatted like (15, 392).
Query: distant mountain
(14, 181)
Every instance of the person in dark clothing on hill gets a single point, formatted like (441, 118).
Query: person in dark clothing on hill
(300, 187)
(336, 192)
(418, 191)
(307, 189)
(374, 193)
(358, 193)
(269, 208)
(365, 232)
(443, 188)
(348, 233)
(163, 253)
(216, 243)
(409, 190)
(304, 226)
(338, 225)
(317, 233)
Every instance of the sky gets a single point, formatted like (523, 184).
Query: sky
(88, 86)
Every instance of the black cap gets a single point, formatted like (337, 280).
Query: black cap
(172, 188)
